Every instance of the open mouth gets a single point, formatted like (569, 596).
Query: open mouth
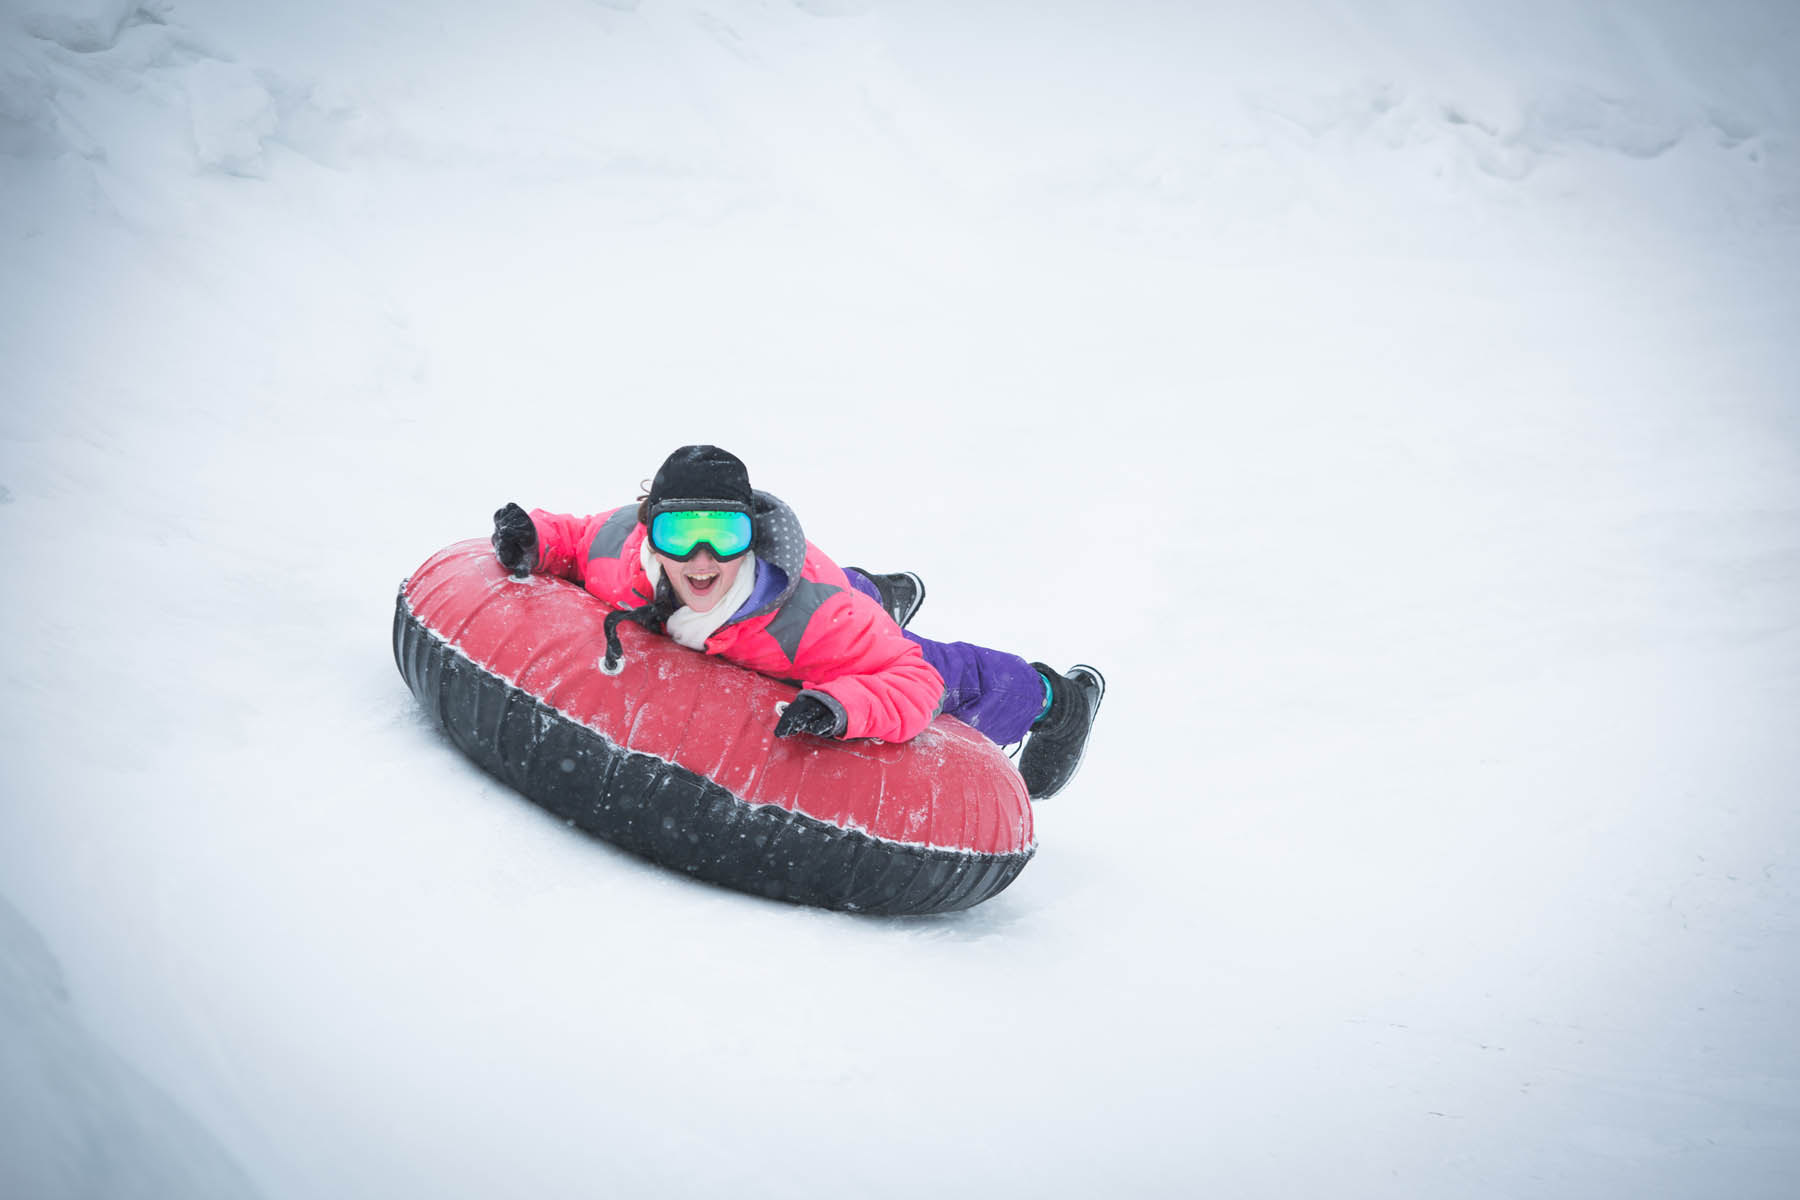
(703, 584)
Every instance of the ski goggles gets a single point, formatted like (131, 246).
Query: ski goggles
(680, 533)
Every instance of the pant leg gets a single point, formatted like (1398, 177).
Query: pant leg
(998, 693)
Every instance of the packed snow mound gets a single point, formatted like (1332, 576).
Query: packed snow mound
(84, 26)
(28, 124)
(1194, 116)
(233, 113)
(64, 1095)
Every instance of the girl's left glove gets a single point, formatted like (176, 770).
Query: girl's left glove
(814, 713)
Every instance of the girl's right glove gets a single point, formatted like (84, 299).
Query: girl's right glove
(515, 540)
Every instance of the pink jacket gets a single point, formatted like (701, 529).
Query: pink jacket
(815, 631)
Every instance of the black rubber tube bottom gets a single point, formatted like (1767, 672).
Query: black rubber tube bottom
(674, 816)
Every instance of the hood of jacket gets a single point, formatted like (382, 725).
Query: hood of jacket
(780, 545)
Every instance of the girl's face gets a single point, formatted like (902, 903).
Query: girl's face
(702, 580)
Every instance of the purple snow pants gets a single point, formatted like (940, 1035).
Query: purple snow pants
(998, 693)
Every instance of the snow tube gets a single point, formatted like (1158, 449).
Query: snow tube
(675, 758)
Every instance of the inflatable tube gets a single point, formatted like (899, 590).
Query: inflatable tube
(675, 757)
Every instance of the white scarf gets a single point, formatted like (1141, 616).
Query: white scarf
(690, 628)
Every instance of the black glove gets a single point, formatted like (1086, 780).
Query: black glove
(814, 713)
(515, 540)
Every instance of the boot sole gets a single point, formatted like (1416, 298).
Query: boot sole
(1093, 716)
(918, 603)
(1093, 719)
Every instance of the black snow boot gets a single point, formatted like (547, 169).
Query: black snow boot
(1054, 750)
(902, 593)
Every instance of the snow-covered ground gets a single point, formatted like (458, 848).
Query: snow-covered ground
(1400, 403)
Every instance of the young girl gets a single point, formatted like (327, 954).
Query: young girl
(726, 570)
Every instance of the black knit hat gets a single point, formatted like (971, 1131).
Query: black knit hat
(701, 473)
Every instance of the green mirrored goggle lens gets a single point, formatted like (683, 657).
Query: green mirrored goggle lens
(680, 534)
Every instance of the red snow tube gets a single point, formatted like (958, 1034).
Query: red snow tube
(675, 757)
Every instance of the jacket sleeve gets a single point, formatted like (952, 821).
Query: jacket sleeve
(562, 542)
(855, 654)
(599, 552)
